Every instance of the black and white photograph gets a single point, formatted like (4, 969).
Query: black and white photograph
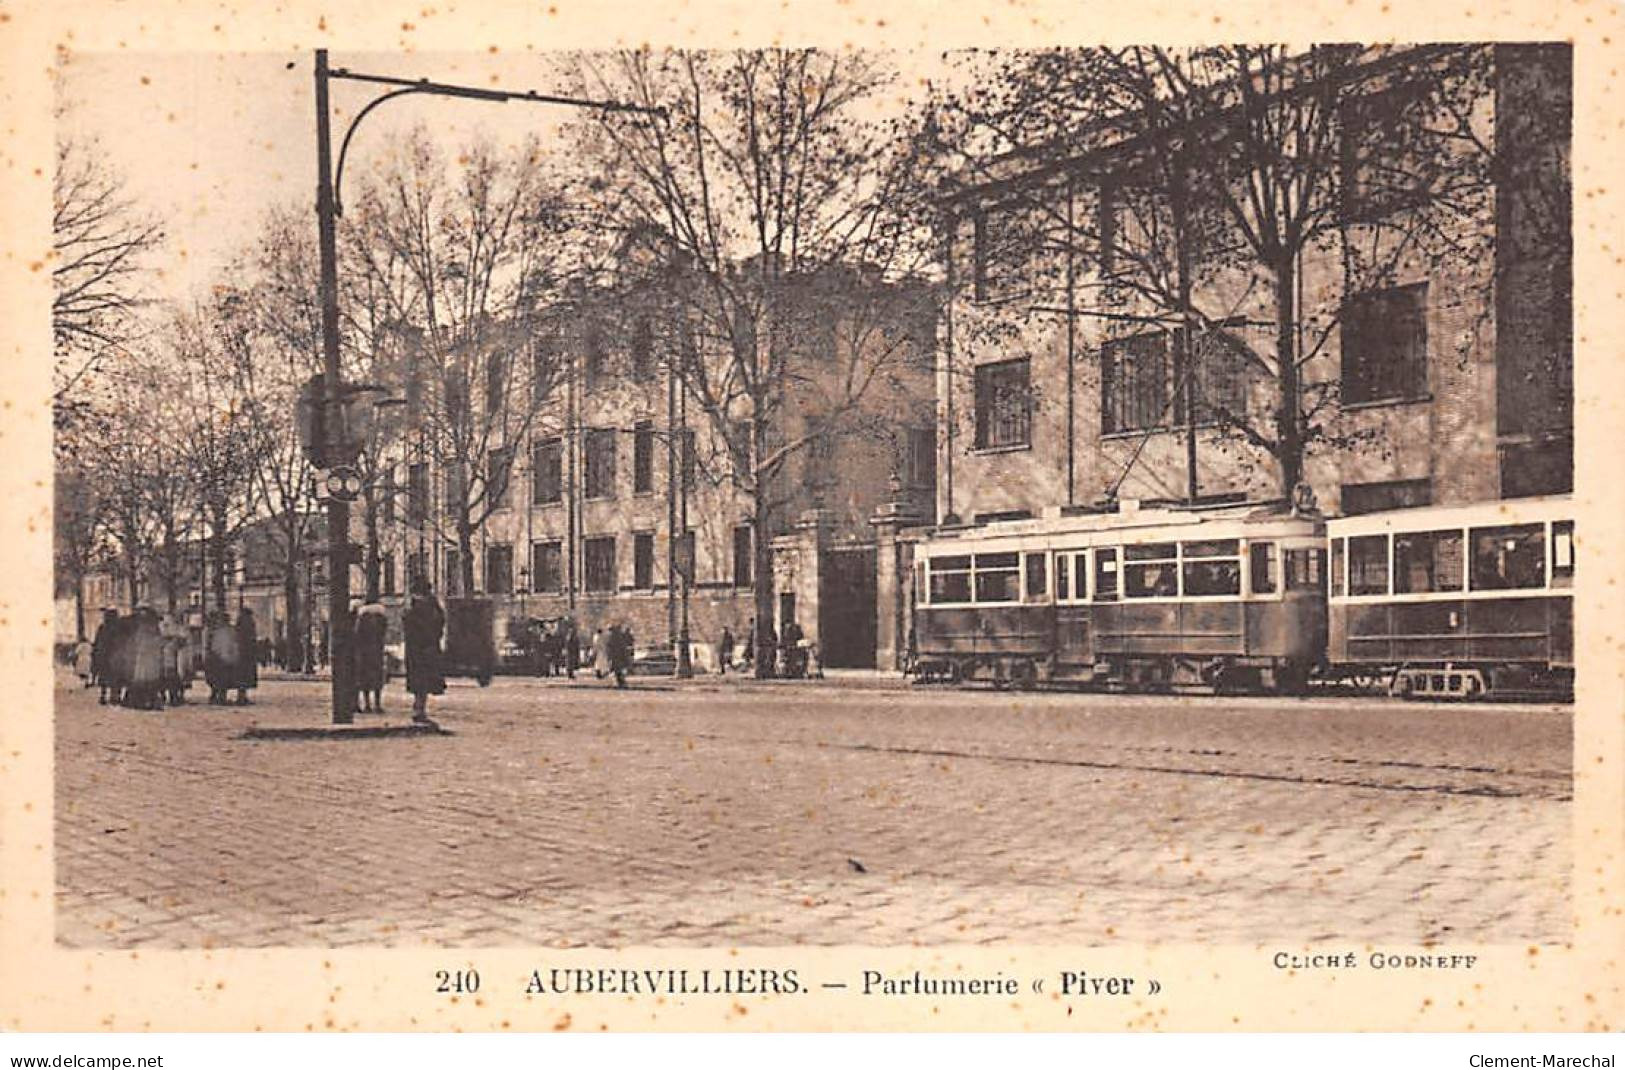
(1068, 495)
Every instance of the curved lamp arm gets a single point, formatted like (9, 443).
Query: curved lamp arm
(344, 146)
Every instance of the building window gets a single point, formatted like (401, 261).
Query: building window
(499, 476)
(643, 561)
(685, 556)
(1003, 404)
(547, 566)
(387, 489)
(544, 368)
(919, 467)
(386, 574)
(1360, 498)
(454, 573)
(1106, 222)
(641, 347)
(1389, 162)
(643, 457)
(600, 474)
(496, 382)
(547, 471)
(1134, 377)
(417, 493)
(592, 358)
(743, 560)
(456, 398)
(417, 568)
(598, 557)
(456, 489)
(499, 569)
(1385, 345)
(1220, 377)
(1008, 243)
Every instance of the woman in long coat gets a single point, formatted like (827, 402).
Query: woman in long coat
(248, 671)
(370, 626)
(146, 661)
(424, 624)
(220, 657)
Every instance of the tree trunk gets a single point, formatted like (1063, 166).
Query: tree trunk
(79, 606)
(764, 646)
(465, 555)
(1288, 420)
(370, 562)
(218, 579)
(293, 645)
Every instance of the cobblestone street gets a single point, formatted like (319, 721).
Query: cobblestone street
(763, 814)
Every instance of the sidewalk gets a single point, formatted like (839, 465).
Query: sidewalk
(861, 679)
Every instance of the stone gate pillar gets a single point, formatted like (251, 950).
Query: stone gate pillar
(892, 568)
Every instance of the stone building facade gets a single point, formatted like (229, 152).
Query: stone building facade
(1448, 382)
(618, 470)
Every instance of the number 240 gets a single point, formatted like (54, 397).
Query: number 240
(460, 981)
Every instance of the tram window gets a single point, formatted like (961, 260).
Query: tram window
(1063, 576)
(1509, 558)
(1037, 582)
(1368, 564)
(1563, 553)
(1306, 569)
(1151, 571)
(950, 579)
(1263, 567)
(1427, 561)
(1105, 575)
(1212, 568)
(998, 578)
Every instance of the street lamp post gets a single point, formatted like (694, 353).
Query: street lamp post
(327, 212)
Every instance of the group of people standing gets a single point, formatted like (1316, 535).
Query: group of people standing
(145, 661)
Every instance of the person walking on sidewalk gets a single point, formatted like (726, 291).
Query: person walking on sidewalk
(370, 625)
(424, 624)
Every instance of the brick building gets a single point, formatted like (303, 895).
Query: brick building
(587, 492)
(1449, 380)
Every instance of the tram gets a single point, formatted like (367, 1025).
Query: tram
(1226, 597)
(1455, 601)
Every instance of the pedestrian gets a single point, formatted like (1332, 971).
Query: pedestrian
(101, 652)
(572, 647)
(174, 657)
(371, 624)
(219, 656)
(599, 651)
(425, 624)
(725, 650)
(547, 651)
(248, 675)
(620, 653)
(145, 686)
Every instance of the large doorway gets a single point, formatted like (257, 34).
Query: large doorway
(846, 608)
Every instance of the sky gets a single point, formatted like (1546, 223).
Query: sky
(210, 142)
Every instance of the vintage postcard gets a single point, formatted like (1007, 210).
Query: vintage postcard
(852, 516)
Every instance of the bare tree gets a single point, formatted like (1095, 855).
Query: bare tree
(1212, 173)
(460, 255)
(99, 238)
(779, 204)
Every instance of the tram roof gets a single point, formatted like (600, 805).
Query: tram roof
(1476, 514)
(1132, 525)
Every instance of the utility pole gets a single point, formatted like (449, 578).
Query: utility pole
(336, 442)
(338, 511)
